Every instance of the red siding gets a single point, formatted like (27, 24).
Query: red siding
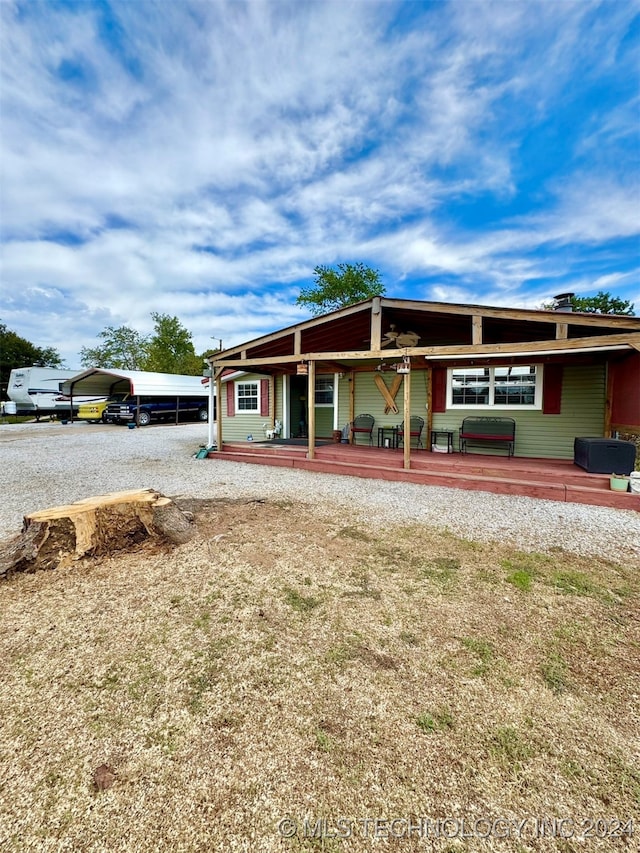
(552, 389)
(439, 389)
(264, 397)
(625, 395)
(231, 399)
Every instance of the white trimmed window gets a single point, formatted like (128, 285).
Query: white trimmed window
(513, 387)
(324, 390)
(247, 397)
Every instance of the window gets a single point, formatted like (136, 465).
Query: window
(324, 390)
(517, 386)
(247, 397)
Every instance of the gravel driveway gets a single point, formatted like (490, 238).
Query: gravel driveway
(48, 464)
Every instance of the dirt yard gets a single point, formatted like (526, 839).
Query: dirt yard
(291, 681)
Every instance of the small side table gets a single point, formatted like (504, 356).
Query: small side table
(434, 438)
(388, 437)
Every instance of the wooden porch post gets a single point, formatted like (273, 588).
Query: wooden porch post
(352, 401)
(407, 420)
(311, 412)
(218, 378)
(429, 378)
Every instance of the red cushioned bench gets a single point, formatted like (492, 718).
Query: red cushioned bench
(488, 432)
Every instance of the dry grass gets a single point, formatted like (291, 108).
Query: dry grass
(293, 663)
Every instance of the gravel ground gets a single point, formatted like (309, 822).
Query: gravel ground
(46, 464)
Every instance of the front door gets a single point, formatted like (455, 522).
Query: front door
(298, 387)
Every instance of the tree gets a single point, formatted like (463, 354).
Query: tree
(601, 303)
(123, 349)
(16, 351)
(170, 349)
(334, 289)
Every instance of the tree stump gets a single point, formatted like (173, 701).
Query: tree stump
(94, 526)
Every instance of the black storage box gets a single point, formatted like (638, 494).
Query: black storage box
(604, 455)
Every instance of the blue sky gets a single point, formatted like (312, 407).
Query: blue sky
(199, 159)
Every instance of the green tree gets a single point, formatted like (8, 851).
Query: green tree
(16, 351)
(335, 288)
(601, 303)
(123, 349)
(170, 348)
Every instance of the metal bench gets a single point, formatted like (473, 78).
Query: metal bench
(488, 432)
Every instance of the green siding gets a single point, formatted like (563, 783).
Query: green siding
(324, 421)
(537, 435)
(343, 401)
(582, 414)
(242, 424)
(369, 400)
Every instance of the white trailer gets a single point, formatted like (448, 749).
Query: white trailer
(36, 391)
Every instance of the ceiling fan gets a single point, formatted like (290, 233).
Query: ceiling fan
(399, 339)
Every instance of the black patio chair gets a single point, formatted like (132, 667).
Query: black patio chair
(416, 425)
(363, 424)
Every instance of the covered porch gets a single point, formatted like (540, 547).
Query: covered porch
(554, 376)
(550, 479)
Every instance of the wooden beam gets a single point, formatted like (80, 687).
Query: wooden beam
(406, 445)
(352, 402)
(297, 342)
(531, 315)
(634, 428)
(601, 320)
(311, 410)
(376, 324)
(429, 380)
(332, 367)
(387, 396)
(562, 331)
(291, 331)
(476, 330)
(219, 404)
(463, 350)
(396, 382)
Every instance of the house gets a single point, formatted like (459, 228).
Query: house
(559, 375)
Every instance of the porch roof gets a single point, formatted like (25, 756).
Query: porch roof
(379, 329)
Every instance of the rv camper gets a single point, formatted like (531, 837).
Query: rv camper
(36, 391)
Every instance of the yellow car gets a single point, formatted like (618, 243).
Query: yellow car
(92, 411)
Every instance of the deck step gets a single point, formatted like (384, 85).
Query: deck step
(520, 479)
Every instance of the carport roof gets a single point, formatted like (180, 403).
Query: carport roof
(105, 382)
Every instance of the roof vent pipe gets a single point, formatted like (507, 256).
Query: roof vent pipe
(564, 302)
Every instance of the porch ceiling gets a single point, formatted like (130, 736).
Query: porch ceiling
(357, 336)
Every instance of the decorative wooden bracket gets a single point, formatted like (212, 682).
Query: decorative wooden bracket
(389, 394)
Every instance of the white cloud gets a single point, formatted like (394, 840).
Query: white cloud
(207, 156)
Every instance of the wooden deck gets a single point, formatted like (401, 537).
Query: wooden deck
(550, 479)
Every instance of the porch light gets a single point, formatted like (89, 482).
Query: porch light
(404, 366)
(302, 369)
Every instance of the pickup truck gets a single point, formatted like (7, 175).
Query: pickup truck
(127, 408)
